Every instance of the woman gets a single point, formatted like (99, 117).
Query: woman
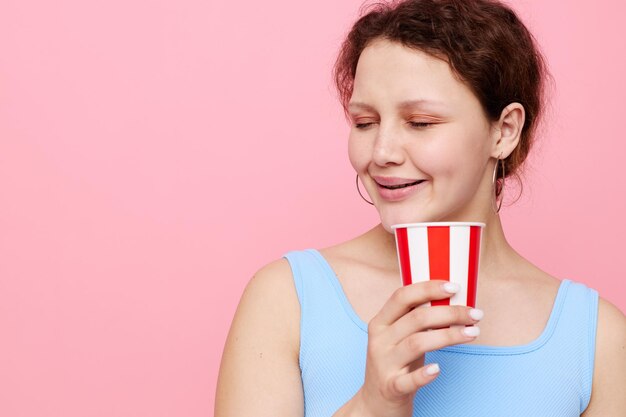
(444, 98)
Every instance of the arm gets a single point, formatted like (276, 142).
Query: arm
(609, 375)
(260, 373)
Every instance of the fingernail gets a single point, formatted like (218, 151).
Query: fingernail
(471, 331)
(476, 313)
(451, 287)
(432, 369)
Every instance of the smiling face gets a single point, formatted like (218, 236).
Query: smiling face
(413, 120)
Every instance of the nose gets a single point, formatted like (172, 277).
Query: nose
(387, 146)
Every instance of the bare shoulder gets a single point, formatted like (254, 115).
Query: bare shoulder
(609, 375)
(259, 373)
(270, 300)
(275, 285)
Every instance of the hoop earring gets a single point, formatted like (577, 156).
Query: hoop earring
(495, 185)
(359, 190)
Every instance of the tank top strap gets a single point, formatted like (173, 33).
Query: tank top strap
(332, 348)
(575, 336)
(313, 282)
(317, 283)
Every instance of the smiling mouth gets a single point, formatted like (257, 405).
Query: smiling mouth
(395, 187)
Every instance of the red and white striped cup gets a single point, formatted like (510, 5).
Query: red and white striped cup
(441, 250)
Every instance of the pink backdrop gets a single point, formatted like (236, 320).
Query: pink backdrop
(154, 154)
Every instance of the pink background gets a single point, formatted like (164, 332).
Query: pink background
(155, 154)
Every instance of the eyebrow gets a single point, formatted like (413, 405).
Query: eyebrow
(402, 105)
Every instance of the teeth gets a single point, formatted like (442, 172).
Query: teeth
(395, 187)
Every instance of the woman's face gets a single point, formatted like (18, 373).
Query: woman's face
(412, 120)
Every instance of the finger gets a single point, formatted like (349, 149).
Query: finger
(437, 317)
(406, 298)
(409, 383)
(418, 344)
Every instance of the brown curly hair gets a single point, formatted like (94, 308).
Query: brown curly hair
(484, 42)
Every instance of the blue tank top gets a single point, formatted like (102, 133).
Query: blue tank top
(551, 376)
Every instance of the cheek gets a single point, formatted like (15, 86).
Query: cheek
(457, 155)
(358, 154)
(460, 169)
(435, 158)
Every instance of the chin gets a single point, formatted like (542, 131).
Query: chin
(389, 219)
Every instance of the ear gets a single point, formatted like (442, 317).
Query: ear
(507, 131)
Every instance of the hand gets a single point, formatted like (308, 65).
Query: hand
(399, 336)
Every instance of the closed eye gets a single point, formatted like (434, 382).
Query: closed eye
(420, 124)
(412, 124)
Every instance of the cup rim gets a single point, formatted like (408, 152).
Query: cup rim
(425, 224)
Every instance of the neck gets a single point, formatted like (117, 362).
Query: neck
(496, 252)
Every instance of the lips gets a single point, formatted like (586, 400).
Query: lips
(393, 183)
(395, 187)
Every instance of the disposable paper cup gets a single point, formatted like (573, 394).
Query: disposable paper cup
(447, 251)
